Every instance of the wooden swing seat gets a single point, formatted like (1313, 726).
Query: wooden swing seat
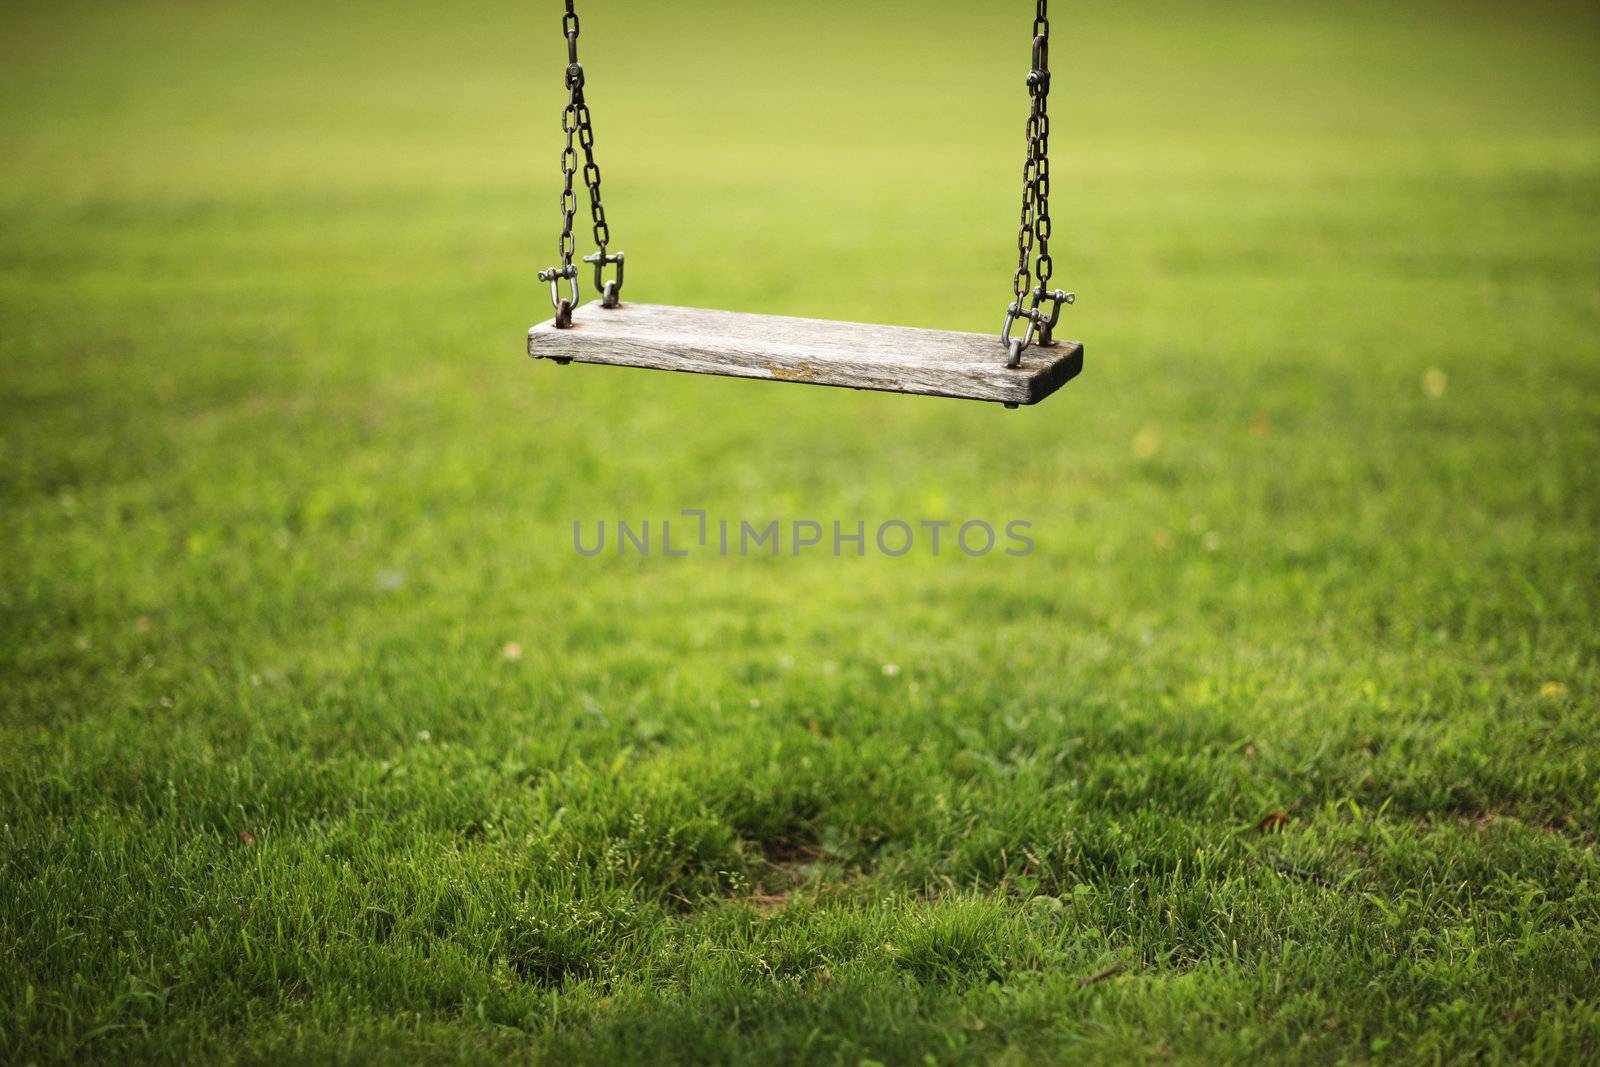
(891, 359)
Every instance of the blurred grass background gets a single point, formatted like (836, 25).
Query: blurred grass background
(319, 742)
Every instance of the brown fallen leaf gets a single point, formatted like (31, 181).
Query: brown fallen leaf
(1273, 822)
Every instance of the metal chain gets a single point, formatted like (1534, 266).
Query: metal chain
(577, 123)
(1033, 236)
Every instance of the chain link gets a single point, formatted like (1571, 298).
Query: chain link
(1035, 266)
(578, 126)
(1033, 235)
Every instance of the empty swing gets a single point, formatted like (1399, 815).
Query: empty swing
(1018, 370)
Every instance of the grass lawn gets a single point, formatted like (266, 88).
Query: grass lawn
(319, 742)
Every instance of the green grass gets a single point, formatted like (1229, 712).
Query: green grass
(280, 502)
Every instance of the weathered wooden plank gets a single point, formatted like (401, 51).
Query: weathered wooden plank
(895, 359)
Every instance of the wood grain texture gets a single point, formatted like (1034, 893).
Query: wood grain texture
(894, 359)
